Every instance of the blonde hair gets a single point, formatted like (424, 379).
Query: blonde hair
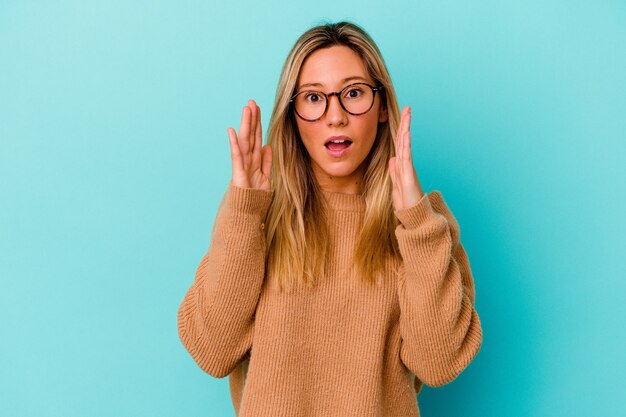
(296, 228)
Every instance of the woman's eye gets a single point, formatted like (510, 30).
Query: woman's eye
(354, 92)
(312, 97)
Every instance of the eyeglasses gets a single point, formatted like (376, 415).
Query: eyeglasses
(356, 99)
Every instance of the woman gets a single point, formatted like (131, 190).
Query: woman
(333, 286)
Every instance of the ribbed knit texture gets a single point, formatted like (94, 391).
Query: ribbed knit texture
(343, 348)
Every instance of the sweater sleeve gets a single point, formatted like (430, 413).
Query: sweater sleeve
(216, 316)
(439, 326)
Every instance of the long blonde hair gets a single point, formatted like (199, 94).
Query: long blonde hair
(296, 225)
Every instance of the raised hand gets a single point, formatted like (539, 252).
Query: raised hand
(251, 162)
(406, 187)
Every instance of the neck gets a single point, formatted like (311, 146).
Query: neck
(343, 188)
(349, 184)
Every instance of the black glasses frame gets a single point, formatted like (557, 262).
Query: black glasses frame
(338, 94)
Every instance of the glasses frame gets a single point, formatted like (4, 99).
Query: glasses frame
(374, 89)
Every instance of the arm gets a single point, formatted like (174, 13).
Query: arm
(216, 316)
(439, 326)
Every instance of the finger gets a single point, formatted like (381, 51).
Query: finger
(407, 129)
(258, 137)
(267, 161)
(244, 130)
(407, 146)
(392, 170)
(402, 130)
(396, 142)
(407, 139)
(253, 115)
(395, 191)
(235, 152)
(401, 137)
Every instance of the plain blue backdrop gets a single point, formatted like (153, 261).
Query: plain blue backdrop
(114, 156)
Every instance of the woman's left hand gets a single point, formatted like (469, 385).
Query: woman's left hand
(406, 187)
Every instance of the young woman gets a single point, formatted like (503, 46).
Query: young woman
(333, 286)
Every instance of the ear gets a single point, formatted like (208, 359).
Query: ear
(382, 115)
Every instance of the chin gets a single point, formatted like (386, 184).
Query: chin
(339, 171)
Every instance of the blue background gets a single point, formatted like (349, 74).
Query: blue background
(114, 156)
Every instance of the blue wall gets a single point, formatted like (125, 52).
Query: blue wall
(114, 156)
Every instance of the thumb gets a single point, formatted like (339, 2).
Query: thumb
(266, 164)
(392, 170)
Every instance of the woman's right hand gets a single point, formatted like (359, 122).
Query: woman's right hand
(251, 161)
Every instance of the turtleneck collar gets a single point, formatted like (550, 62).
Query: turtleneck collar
(344, 202)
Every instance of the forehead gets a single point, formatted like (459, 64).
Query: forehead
(330, 67)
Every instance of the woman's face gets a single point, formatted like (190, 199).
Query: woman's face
(331, 69)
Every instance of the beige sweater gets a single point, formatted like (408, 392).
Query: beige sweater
(344, 348)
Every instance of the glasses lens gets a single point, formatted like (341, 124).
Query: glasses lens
(310, 105)
(357, 98)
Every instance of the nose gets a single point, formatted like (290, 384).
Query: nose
(335, 114)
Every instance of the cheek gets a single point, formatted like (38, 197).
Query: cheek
(368, 130)
(371, 121)
(307, 135)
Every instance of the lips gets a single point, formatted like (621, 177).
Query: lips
(338, 139)
(338, 146)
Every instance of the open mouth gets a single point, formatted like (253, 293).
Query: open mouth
(338, 144)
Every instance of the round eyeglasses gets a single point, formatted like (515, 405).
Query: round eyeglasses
(356, 99)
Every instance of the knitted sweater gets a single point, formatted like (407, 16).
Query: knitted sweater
(343, 348)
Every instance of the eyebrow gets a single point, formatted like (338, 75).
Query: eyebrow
(356, 77)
